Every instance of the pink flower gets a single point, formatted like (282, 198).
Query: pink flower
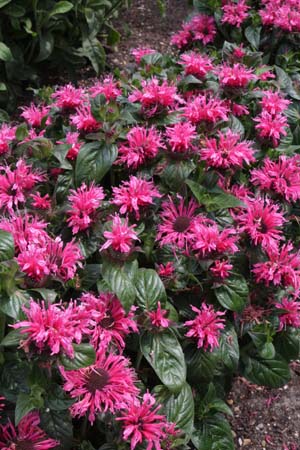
(262, 221)
(291, 316)
(284, 14)
(196, 64)
(237, 76)
(183, 37)
(227, 152)
(155, 96)
(107, 87)
(239, 52)
(176, 227)
(142, 424)
(180, 137)
(41, 202)
(26, 229)
(221, 269)
(203, 28)
(34, 115)
(139, 52)
(167, 270)
(206, 108)
(239, 110)
(282, 177)
(158, 317)
(235, 13)
(84, 203)
(63, 259)
(15, 184)
(84, 120)
(27, 435)
(206, 326)
(108, 385)
(207, 240)
(282, 268)
(273, 102)
(68, 97)
(51, 328)
(7, 135)
(142, 145)
(134, 194)
(271, 127)
(33, 262)
(109, 323)
(121, 236)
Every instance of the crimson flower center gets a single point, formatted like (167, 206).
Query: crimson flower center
(23, 445)
(97, 380)
(181, 224)
(107, 322)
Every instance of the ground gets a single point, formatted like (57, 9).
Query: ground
(263, 419)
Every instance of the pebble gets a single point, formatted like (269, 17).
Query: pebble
(247, 442)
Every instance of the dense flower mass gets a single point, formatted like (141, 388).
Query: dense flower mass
(121, 236)
(235, 13)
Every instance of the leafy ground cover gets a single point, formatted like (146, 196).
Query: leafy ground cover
(149, 242)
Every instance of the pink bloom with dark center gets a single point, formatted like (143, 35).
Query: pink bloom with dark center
(107, 87)
(262, 221)
(109, 324)
(7, 135)
(63, 259)
(271, 127)
(228, 151)
(236, 76)
(155, 96)
(196, 64)
(84, 120)
(158, 318)
(221, 269)
(27, 435)
(121, 236)
(68, 97)
(177, 219)
(142, 145)
(50, 328)
(291, 316)
(206, 326)
(84, 203)
(207, 240)
(134, 194)
(203, 28)
(108, 385)
(181, 136)
(282, 268)
(235, 13)
(273, 102)
(183, 37)
(34, 115)
(282, 177)
(206, 108)
(142, 424)
(16, 184)
(139, 52)
(41, 202)
(26, 229)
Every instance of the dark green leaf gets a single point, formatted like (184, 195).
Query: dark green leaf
(253, 36)
(61, 8)
(12, 339)
(201, 365)
(266, 372)
(46, 42)
(229, 348)
(12, 305)
(93, 161)
(84, 356)
(213, 434)
(5, 53)
(120, 283)
(4, 2)
(164, 353)
(287, 343)
(24, 405)
(233, 293)
(58, 425)
(212, 201)
(150, 289)
(113, 36)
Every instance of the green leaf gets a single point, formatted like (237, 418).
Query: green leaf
(7, 246)
(21, 132)
(94, 161)
(229, 348)
(120, 283)
(84, 356)
(46, 42)
(287, 343)
(213, 434)
(150, 289)
(58, 425)
(253, 36)
(164, 354)
(213, 201)
(4, 2)
(113, 36)
(176, 173)
(11, 306)
(24, 405)
(93, 50)
(233, 293)
(266, 372)
(12, 339)
(5, 53)
(61, 8)
(201, 365)
(179, 408)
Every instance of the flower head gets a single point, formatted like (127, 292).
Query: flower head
(139, 52)
(158, 318)
(235, 13)
(34, 115)
(107, 87)
(84, 120)
(180, 137)
(134, 194)
(68, 97)
(208, 240)
(108, 385)
(196, 64)
(7, 135)
(41, 202)
(206, 108)
(271, 127)
(206, 326)
(291, 315)
(121, 236)
(237, 76)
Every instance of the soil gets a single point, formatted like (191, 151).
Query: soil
(263, 419)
